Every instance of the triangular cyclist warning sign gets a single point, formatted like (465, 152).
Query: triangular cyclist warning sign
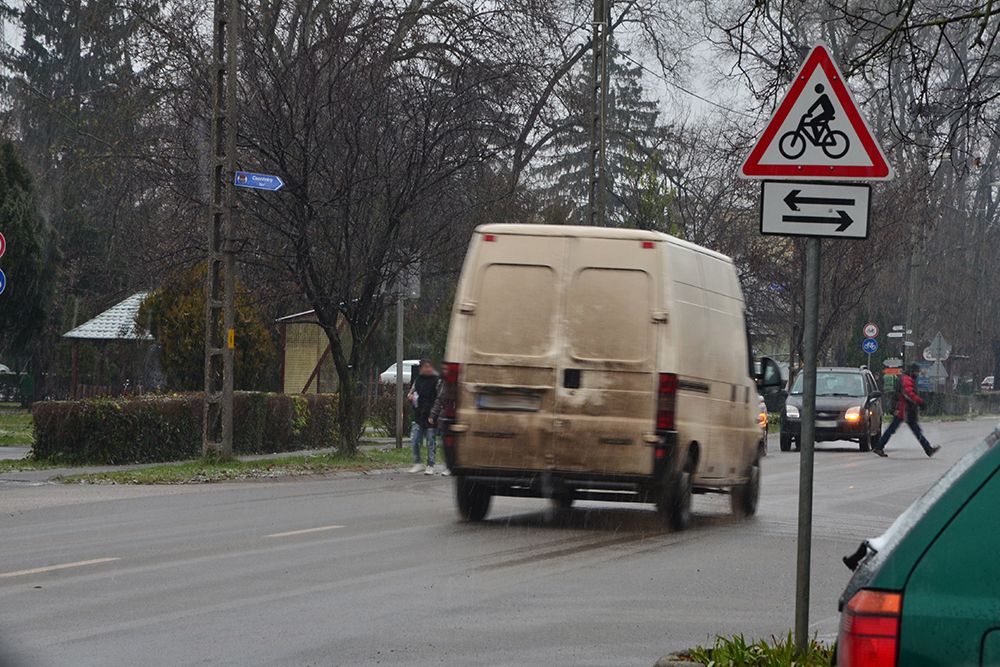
(817, 132)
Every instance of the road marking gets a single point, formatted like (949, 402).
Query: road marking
(304, 531)
(53, 568)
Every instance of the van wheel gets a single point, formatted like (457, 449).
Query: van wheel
(473, 500)
(743, 498)
(786, 442)
(674, 504)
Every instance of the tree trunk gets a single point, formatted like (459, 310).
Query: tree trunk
(350, 413)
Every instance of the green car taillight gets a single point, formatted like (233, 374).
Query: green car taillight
(869, 630)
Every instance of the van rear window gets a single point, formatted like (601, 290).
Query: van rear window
(515, 310)
(607, 315)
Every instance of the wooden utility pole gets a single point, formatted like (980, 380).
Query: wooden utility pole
(220, 309)
(597, 185)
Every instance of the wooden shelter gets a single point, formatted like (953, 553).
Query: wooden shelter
(306, 363)
(115, 325)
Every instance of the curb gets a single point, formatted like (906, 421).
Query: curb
(675, 661)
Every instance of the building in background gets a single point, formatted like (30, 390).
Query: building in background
(306, 362)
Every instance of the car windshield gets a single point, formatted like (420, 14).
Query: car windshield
(834, 383)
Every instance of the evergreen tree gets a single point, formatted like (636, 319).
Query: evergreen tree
(75, 108)
(637, 192)
(28, 263)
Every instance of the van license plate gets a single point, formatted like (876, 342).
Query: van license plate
(826, 424)
(517, 402)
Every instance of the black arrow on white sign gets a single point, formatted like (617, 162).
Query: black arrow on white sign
(843, 220)
(793, 199)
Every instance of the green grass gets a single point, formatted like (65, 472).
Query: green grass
(15, 428)
(203, 471)
(27, 463)
(735, 651)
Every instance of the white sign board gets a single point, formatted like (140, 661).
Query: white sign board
(833, 210)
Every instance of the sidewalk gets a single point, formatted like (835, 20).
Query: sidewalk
(35, 477)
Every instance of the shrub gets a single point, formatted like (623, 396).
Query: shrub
(320, 426)
(736, 651)
(153, 429)
(383, 412)
(175, 315)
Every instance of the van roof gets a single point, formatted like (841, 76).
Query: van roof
(593, 232)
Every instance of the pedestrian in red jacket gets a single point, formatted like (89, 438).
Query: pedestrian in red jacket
(907, 409)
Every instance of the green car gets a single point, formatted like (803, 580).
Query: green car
(927, 592)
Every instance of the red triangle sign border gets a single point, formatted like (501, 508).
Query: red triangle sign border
(879, 170)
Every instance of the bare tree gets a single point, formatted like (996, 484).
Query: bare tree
(384, 120)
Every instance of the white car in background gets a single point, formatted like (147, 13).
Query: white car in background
(987, 383)
(388, 376)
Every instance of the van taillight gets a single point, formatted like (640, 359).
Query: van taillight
(666, 402)
(489, 238)
(450, 377)
(869, 630)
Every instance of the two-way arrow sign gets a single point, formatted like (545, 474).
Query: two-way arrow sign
(814, 209)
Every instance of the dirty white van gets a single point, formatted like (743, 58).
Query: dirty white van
(599, 364)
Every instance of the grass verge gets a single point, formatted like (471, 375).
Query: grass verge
(736, 651)
(27, 463)
(15, 428)
(204, 471)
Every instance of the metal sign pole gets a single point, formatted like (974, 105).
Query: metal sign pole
(808, 437)
(399, 368)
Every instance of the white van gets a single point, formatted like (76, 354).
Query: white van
(599, 364)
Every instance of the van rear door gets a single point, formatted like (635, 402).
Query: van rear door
(606, 371)
(510, 366)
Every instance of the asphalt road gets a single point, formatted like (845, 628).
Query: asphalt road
(376, 569)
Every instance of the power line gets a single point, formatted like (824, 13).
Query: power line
(681, 88)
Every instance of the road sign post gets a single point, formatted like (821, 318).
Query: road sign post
(400, 300)
(870, 347)
(816, 134)
(407, 287)
(807, 444)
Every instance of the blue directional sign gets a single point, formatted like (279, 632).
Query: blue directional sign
(248, 179)
(3, 282)
(870, 346)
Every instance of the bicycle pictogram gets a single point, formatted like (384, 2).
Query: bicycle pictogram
(814, 128)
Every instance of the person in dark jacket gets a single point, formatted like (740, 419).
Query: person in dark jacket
(907, 409)
(422, 395)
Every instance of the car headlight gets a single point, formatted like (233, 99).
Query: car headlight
(791, 412)
(853, 415)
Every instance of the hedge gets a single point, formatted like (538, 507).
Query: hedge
(961, 404)
(153, 429)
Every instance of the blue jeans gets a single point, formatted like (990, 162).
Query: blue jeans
(417, 435)
(911, 421)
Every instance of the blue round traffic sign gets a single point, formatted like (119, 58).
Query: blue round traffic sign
(870, 346)
(3, 281)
